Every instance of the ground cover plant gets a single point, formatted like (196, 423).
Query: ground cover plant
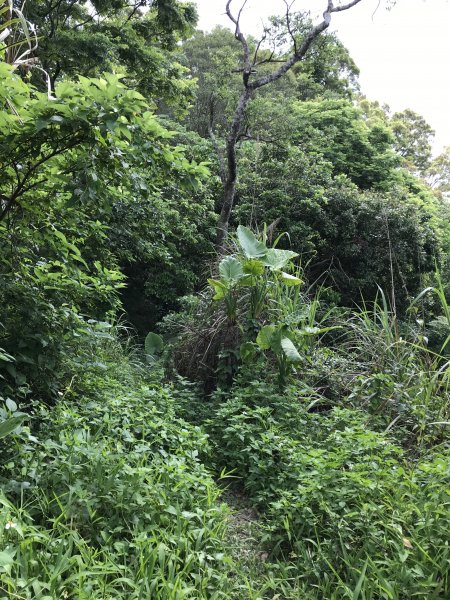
(107, 498)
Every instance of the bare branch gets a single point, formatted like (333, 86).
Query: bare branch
(288, 24)
(258, 46)
(344, 6)
(234, 135)
(303, 49)
(240, 36)
(270, 60)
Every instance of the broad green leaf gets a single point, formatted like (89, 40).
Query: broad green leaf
(8, 426)
(278, 259)
(252, 266)
(265, 336)
(290, 279)
(219, 288)
(231, 269)
(248, 351)
(247, 280)
(290, 350)
(251, 246)
(11, 405)
(154, 344)
(7, 558)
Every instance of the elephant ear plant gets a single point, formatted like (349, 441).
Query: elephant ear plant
(254, 283)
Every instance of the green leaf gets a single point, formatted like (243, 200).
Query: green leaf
(252, 266)
(278, 259)
(248, 351)
(250, 244)
(11, 405)
(357, 590)
(231, 269)
(290, 279)
(7, 558)
(154, 344)
(8, 426)
(290, 350)
(247, 281)
(219, 288)
(265, 337)
(5, 356)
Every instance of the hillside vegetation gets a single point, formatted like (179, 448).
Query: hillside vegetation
(187, 416)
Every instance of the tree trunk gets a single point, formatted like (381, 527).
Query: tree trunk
(231, 175)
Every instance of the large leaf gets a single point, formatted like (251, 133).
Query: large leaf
(247, 281)
(154, 344)
(290, 350)
(6, 558)
(219, 287)
(252, 266)
(278, 259)
(248, 351)
(251, 246)
(8, 426)
(265, 337)
(290, 279)
(231, 270)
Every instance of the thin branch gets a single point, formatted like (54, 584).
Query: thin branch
(255, 56)
(288, 24)
(303, 49)
(240, 36)
(21, 188)
(270, 60)
(344, 7)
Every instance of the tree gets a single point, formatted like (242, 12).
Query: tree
(413, 138)
(72, 167)
(250, 63)
(438, 173)
(136, 37)
(351, 240)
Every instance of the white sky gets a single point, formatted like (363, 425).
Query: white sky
(403, 54)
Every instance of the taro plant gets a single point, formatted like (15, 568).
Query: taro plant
(252, 283)
(277, 338)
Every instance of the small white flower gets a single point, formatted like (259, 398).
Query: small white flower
(10, 525)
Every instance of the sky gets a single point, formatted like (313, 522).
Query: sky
(403, 53)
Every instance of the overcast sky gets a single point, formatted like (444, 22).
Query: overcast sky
(403, 54)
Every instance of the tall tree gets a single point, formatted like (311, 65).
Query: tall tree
(413, 139)
(301, 44)
(135, 37)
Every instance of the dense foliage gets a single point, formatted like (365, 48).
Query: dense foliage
(283, 430)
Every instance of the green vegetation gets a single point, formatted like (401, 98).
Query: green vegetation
(268, 422)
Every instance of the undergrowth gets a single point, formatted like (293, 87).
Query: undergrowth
(104, 496)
